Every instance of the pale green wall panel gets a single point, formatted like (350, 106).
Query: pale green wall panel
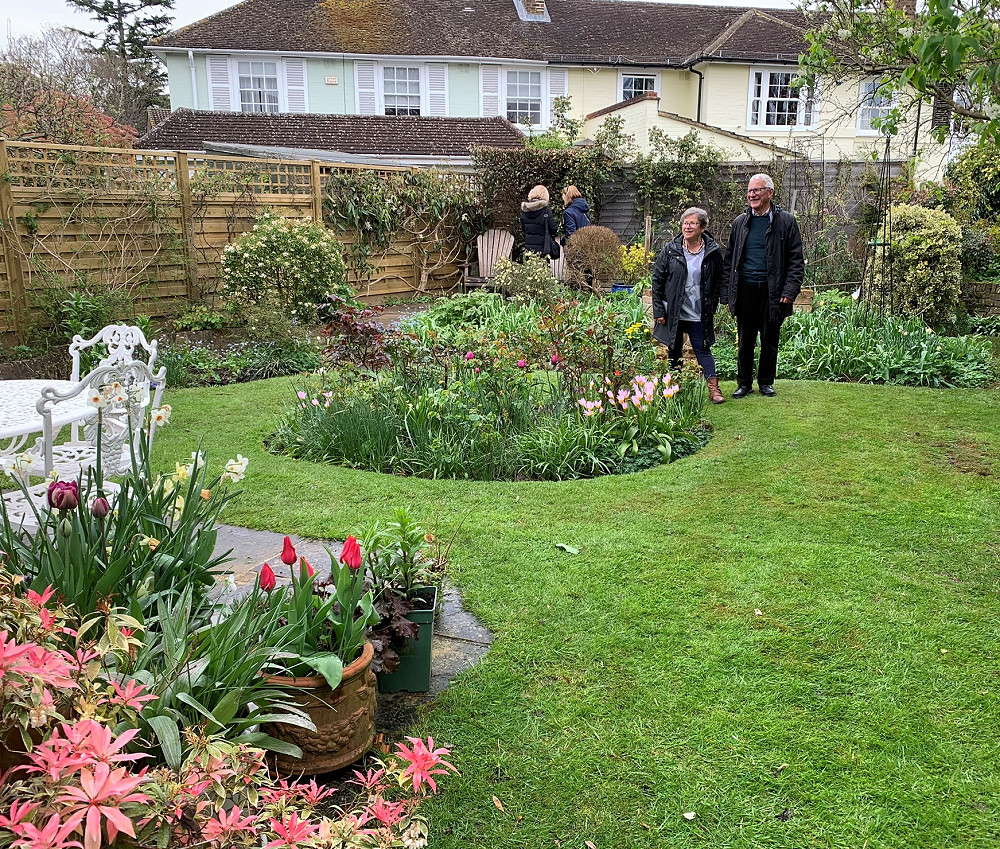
(179, 79)
(331, 99)
(463, 90)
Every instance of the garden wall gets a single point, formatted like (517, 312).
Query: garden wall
(152, 223)
(981, 298)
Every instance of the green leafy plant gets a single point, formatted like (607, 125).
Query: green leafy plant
(530, 280)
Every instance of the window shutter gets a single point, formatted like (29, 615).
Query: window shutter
(364, 85)
(220, 90)
(489, 85)
(437, 89)
(295, 84)
(558, 87)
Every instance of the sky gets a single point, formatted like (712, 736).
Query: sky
(34, 15)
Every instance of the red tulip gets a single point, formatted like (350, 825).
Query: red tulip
(307, 568)
(266, 578)
(351, 554)
(288, 556)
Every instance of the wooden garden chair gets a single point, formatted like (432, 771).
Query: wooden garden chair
(491, 246)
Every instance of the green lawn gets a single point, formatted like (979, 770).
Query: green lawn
(793, 634)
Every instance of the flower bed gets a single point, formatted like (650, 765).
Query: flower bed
(482, 389)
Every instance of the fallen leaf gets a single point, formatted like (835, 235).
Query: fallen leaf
(780, 768)
(497, 803)
(944, 651)
(589, 844)
(567, 548)
(690, 815)
(647, 827)
(758, 612)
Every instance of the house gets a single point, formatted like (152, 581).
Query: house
(727, 73)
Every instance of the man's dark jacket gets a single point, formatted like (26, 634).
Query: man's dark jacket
(785, 265)
(670, 280)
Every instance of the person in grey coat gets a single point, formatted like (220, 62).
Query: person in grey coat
(687, 277)
(763, 276)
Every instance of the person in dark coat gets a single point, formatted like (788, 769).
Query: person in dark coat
(763, 276)
(537, 220)
(576, 212)
(687, 278)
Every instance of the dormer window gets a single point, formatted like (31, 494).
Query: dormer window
(401, 90)
(636, 84)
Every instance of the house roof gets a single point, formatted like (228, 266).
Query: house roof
(189, 129)
(615, 32)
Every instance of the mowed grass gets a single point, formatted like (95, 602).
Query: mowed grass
(792, 634)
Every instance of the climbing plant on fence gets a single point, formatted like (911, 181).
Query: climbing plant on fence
(430, 215)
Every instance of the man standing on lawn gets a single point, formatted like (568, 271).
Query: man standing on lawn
(761, 278)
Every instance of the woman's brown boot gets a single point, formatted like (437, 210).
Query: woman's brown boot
(714, 393)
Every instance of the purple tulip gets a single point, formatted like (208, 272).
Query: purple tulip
(64, 495)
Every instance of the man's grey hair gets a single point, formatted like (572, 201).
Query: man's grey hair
(765, 178)
(695, 210)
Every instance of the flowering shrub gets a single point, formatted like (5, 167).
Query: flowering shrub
(284, 263)
(530, 280)
(635, 262)
(924, 275)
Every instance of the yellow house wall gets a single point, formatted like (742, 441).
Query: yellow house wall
(592, 89)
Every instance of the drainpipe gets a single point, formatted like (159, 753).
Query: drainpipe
(194, 79)
(916, 133)
(701, 85)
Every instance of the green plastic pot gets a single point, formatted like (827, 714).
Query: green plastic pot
(414, 672)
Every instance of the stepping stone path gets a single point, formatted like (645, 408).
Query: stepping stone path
(460, 639)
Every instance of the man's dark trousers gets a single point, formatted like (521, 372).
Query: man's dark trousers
(753, 319)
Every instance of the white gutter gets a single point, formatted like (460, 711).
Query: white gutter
(306, 54)
(194, 78)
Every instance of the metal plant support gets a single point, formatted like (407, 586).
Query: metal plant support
(877, 293)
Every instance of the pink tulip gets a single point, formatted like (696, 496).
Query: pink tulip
(266, 578)
(307, 567)
(351, 555)
(470, 356)
(288, 555)
(521, 364)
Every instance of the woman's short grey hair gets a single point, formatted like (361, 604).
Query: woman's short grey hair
(695, 210)
(765, 179)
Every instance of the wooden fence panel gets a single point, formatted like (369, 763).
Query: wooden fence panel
(132, 219)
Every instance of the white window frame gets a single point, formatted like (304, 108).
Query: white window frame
(867, 109)
(806, 121)
(655, 77)
(421, 80)
(238, 89)
(544, 108)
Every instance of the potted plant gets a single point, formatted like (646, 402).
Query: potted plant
(635, 262)
(405, 601)
(326, 659)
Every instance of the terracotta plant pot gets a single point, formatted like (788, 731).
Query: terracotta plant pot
(344, 718)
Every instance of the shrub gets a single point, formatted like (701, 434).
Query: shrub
(925, 272)
(981, 251)
(285, 264)
(530, 280)
(593, 258)
(975, 174)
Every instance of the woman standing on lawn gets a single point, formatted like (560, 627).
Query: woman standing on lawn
(687, 280)
(537, 221)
